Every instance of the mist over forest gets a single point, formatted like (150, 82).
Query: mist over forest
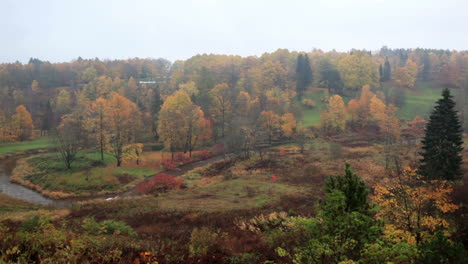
(295, 155)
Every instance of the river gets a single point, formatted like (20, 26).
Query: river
(23, 193)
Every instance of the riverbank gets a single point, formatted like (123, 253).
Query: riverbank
(91, 178)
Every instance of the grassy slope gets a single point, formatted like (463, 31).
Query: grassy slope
(419, 102)
(39, 143)
(312, 116)
(11, 208)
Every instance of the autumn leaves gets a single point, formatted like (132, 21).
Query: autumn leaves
(369, 108)
(17, 127)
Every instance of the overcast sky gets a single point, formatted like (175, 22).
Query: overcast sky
(62, 30)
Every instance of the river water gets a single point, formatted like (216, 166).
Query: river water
(23, 193)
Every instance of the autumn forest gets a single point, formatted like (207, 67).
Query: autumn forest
(288, 157)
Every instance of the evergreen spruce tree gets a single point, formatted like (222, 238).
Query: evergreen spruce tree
(300, 82)
(381, 78)
(304, 76)
(387, 71)
(308, 77)
(442, 144)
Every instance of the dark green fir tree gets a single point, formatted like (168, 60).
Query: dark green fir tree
(304, 76)
(387, 71)
(442, 145)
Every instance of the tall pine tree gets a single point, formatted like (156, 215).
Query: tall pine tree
(299, 75)
(442, 144)
(387, 71)
(304, 76)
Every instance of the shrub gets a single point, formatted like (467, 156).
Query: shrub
(169, 164)
(109, 227)
(31, 224)
(309, 103)
(91, 226)
(159, 183)
(116, 227)
(202, 241)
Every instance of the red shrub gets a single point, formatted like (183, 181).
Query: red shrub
(159, 183)
(169, 164)
(274, 177)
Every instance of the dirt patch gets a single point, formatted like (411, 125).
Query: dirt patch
(125, 178)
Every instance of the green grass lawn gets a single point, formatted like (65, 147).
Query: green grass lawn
(88, 174)
(44, 142)
(419, 101)
(311, 117)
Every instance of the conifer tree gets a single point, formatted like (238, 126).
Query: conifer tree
(387, 71)
(308, 77)
(304, 75)
(353, 188)
(442, 144)
(299, 75)
(381, 78)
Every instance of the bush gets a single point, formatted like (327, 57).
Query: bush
(202, 241)
(116, 227)
(31, 224)
(169, 164)
(309, 103)
(159, 183)
(109, 227)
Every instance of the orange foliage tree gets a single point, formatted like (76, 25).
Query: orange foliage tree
(288, 124)
(22, 124)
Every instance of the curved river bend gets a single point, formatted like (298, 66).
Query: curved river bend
(23, 193)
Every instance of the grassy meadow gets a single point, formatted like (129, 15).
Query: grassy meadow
(418, 101)
(40, 143)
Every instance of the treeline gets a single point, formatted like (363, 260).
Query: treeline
(245, 101)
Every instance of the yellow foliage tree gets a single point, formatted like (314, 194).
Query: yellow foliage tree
(190, 88)
(181, 123)
(222, 105)
(358, 69)
(122, 117)
(271, 122)
(412, 207)
(406, 76)
(97, 123)
(335, 115)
